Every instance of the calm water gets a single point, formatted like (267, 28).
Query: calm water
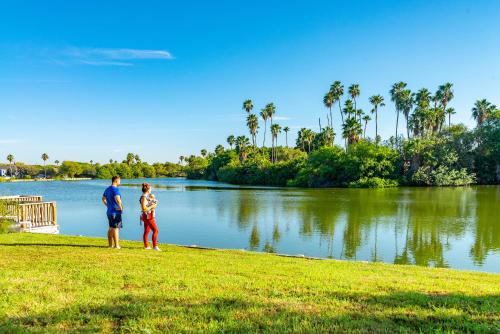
(443, 227)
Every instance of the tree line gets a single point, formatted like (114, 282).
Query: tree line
(131, 167)
(432, 151)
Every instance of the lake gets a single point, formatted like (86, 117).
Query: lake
(438, 227)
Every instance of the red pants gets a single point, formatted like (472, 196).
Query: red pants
(149, 224)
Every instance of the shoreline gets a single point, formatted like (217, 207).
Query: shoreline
(283, 255)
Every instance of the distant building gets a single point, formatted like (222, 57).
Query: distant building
(3, 171)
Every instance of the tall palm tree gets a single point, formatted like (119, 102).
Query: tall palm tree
(253, 125)
(45, 157)
(56, 162)
(450, 111)
(407, 100)
(309, 137)
(181, 159)
(352, 130)
(286, 129)
(10, 158)
(446, 95)
(349, 109)
(354, 93)
(130, 158)
(482, 109)
(301, 141)
(328, 101)
(203, 153)
(231, 140)
(91, 162)
(265, 115)
(338, 91)
(275, 130)
(395, 92)
(242, 144)
(366, 119)
(137, 159)
(219, 149)
(271, 110)
(376, 101)
(110, 161)
(248, 105)
(328, 135)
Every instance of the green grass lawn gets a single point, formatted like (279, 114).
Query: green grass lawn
(51, 284)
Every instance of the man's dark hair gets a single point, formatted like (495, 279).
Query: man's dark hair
(114, 178)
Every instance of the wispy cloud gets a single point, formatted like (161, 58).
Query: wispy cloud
(108, 57)
(10, 141)
(281, 118)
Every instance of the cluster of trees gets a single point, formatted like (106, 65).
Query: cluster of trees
(432, 152)
(130, 167)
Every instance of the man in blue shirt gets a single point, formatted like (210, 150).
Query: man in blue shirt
(112, 200)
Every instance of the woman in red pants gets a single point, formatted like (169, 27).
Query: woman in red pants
(148, 206)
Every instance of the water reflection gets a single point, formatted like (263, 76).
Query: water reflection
(404, 226)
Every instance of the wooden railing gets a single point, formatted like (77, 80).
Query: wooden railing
(21, 199)
(37, 214)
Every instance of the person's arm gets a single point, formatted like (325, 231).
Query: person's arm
(118, 200)
(104, 201)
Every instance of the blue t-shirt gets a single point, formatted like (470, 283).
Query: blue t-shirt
(110, 194)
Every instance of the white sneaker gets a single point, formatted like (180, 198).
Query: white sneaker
(147, 247)
(118, 247)
(157, 249)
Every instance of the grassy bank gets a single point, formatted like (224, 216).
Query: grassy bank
(60, 284)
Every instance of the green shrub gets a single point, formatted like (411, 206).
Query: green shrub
(373, 182)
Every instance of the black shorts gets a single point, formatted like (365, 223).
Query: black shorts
(115, 220)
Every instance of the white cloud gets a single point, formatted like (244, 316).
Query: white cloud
(281, 118)
(109, 57)
(10, 141)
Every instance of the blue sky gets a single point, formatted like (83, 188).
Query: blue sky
(86, 80)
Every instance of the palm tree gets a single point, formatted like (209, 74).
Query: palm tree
(56, 162)
(91, 162)
(242, 144)
(219, 149)
(45, 157)
(366, 119)
(231, 140)
(337, 90)
(203, 153)
(181, 159)
(286, 129)
(352, 130)
(253, 125)
(265, 115)
(130, 158)
(309, 137)
(328, 135)
(10, 158)
(450, 111)
(110, 161)
(422, 117)
(354, 93)
(482, 109)
(137, 159)
(348, 108)
(445, 94)
(395, 92)
(328, 101)
(271, 110)
(275, 130)
(407, 100)
(376, 101)
(248, 105)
